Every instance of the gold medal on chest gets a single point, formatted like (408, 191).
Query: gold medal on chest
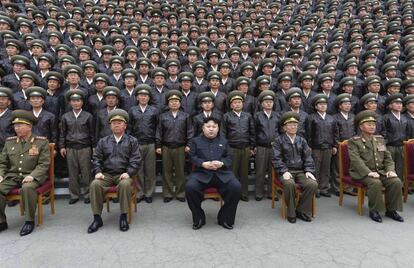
(34, 150)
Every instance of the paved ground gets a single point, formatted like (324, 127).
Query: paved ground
(161, 236)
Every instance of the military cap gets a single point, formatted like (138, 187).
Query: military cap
(294, 53)
(203, 39)
(233, 50)
(365, 116)
(408, 99)
(38, 43)
(293, 92)
(23, 117)
(255, 52)
(193, 50)
(389, 66)
(6, 92)
(408, 65)
(116, 59)
(47, 57)
(12, 6)
(78, 34)
(29, 74)
(284, 76)
(18, 59)
(159, 71)
(52, 75)
(75, 94)
(306, 76)
(367, 98)
(398, 97)
(6, 34)
(246, 66)
(341, 98)
(213, 75)
(185, 76)
(172, 62)
(289, 117)
(266, 95)
(319, 98)
(111, 91)
(347, 81)
(173, 94)
(199, 64)
(213, 52)
(349, 63)
(72, 69)
(101, 77)
(242, 80)
(393, 82)
(63, 47)
(118, 38)
(15, 43)
(55, 34)
(373, 79)
(407, 83)
(89, 64)
(118, 114)
(266, 62)
(67, 58)
(235, 95)
(6, 20)
(263, 79)
(129, 72)
(206, 96)
(39, 14)
(224, 63)
(310, 65)
(368, 66)
(131, 49)
(36, 91)
(143, 89)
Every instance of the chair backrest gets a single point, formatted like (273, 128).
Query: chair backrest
(409, 157)
(52, 164)
(344, 161)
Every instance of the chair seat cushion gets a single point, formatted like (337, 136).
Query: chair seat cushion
(350, 181)
(211, 190)
(45, 187)
(111, 189)
(14, 191)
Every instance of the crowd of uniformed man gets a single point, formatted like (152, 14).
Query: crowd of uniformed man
(285, 82)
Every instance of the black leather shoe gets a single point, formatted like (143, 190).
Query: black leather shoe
(87, 201)
(303, 216)
(375, 216)
(259, 198)
(244, 199)
(123, 223)
(291, 219)
(27, 228)
(181, 199)
(167, 199)
(73, 201)
(13, 203)
(226, 226)
(95, 225)
(198, 225)
(394, 215)
(140, 199)
(148, 199)
(3, 226)
(115, 200)
(325, 194)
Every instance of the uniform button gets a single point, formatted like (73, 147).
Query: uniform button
(21, 155)
(20, 168)
(20, 162)
(20, 174)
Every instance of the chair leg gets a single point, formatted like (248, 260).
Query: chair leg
(52, 202)
(273, 195)
(341, 194)
(107, 204)
(360, 200)
(314, 206)
(405, 194)
(283, 206)
(221, 202)
(21, 207)
(39, 210)
(130, 210)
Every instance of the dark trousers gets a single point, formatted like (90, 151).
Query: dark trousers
(230, 192)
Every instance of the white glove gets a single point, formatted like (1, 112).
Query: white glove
(124, 176)
(99, 176)
(391, 174)
(1, 178)
(375, 175)
(287, 176)
(309, 175)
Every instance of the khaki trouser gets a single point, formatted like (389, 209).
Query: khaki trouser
(263, 167)
(28, 192)
(146, 174)
(322, 158)
(397, 156)
(173, 160)
(240, 167)
(79, 169)
(393, 193)
(99, 187)
(309, 188)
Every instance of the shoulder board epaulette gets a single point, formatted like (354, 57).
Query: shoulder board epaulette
(11, 138)
(40, 138)
(378, 137)
(356, 138)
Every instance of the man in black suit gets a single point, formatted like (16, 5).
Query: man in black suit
(211, 156)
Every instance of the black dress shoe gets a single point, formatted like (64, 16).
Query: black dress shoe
(303, 216)
(394, 215)
(259, 198)
(244, 199)
(95, 225)
(73, 201)
(198, 225)
(375, 216)
(140, 199)
(325, 194)
(13, 203)
(291, 219)
(3, 226)
(226, 226)
(148, 199)
(87, 201)
(115, 200)
(181, 199)
(123, 223)
(167, 199)
(27, 228)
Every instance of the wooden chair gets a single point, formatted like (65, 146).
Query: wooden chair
(111, 193)
(212, 193)
(277, 188)
(408, 166)
(45, 192)
(346, 179)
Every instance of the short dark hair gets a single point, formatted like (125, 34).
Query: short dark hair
(211, 118)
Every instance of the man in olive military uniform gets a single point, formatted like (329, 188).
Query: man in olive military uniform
(292, 159)
(24, 163)
(371, 164)
(116, 160)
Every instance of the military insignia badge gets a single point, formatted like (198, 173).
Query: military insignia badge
(34, 150)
